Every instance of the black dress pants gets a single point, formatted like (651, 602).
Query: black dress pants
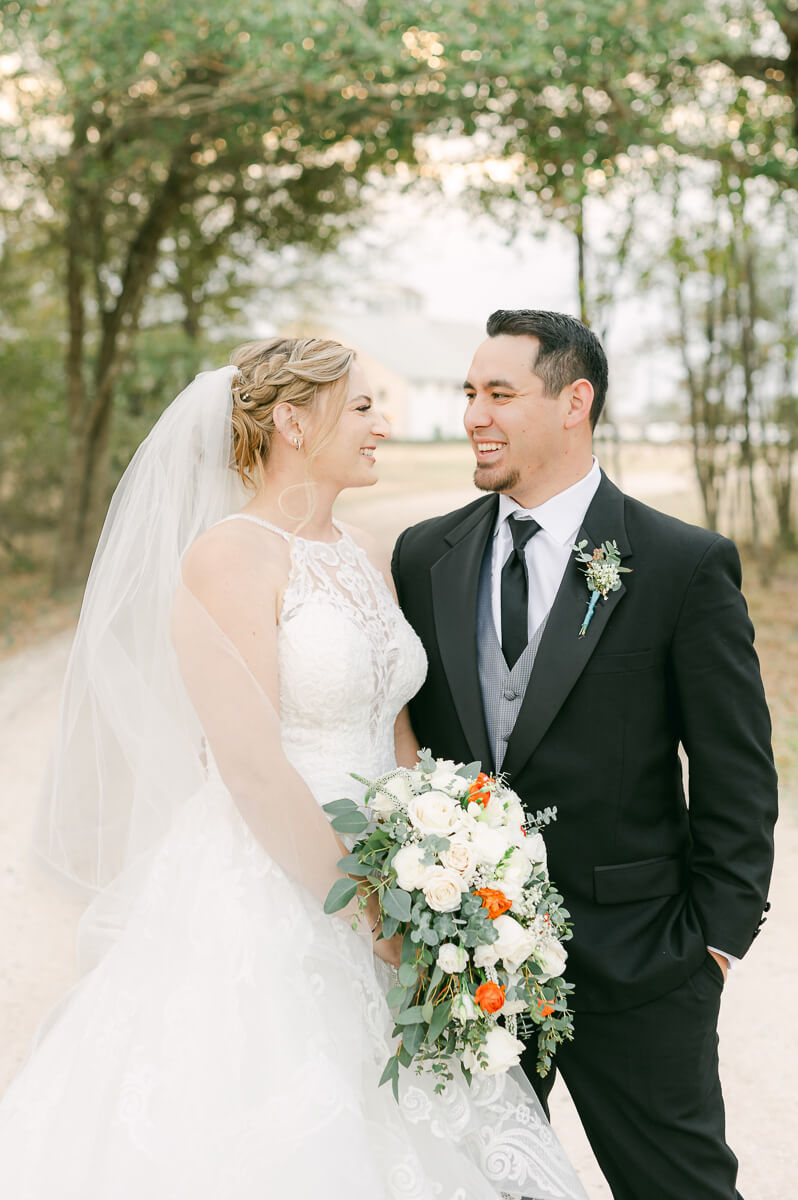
(645, 1084)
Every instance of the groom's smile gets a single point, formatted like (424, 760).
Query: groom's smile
(523, 437)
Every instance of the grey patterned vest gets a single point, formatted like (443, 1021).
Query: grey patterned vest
(502, 689)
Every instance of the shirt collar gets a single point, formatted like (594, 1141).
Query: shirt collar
(562, 515)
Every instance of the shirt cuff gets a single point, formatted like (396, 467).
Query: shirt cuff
(730, 959)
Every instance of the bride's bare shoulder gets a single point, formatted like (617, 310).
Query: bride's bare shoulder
(233, 554)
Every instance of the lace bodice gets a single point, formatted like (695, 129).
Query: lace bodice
(348, 663)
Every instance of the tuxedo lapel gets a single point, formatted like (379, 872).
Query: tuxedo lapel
(563, 655)
(455, 587)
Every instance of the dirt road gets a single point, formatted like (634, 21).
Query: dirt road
(759, 1038)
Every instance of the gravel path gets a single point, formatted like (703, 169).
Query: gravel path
(759, 1036)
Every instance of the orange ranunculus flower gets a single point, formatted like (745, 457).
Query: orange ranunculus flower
(480, 789)
(546, 1009)
(490, 997)
(494, 901)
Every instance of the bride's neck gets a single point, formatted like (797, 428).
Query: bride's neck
(295, 505)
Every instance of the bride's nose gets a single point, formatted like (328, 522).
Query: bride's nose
(381, 427)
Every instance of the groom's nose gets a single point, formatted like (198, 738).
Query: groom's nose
(476, 414)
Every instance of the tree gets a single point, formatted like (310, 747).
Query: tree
(730, 259)
(159, 147)
(247, 126)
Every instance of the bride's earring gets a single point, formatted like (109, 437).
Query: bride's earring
(298, 443)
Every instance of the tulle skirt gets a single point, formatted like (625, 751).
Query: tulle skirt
(228, 1043)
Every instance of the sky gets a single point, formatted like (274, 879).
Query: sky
(464, 266)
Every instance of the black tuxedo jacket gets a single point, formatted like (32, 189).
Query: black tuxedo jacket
(667, 660)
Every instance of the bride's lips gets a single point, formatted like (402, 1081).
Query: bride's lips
(367, 452)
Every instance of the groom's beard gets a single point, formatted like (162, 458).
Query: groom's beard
(495, 481)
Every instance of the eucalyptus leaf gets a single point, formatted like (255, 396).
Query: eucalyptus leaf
(339, 895)
(395, 996)
(391, 1070)
(389, 926)
(352, 865)
(396, 903)
(411, 1016)
(350, 822)
(412, 1037)
(408, 975)
(439, 1020)
(472, 768)
(337, 807)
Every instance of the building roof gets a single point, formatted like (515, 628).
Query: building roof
(414, 346)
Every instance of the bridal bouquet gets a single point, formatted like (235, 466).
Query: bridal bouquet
(459, 870)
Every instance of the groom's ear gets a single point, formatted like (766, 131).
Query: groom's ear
(578, 397)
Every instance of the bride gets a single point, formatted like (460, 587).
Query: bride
(239, 652)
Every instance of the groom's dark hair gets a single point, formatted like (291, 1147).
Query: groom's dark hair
(568, 350)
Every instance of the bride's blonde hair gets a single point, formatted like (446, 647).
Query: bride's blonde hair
(276, 371)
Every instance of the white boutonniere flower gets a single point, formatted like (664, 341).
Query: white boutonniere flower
(603, 570)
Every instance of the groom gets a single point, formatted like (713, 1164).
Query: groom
(663, 893)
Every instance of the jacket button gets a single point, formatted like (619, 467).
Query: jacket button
(510, 694)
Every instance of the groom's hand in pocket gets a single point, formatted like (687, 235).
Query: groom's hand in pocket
(722, 962)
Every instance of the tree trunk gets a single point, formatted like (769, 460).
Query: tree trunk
(581, 265)
(86, 476)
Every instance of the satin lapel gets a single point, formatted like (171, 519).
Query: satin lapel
(563, 655)
(455, 586)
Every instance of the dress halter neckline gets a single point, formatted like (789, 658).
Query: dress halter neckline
(240, 516)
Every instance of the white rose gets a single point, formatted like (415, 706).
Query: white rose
(512, 1007)
(464, 1009)
(486, 956)
(397, 792)
(493, 812)
(514, 874)
(533, 846)
(452, 959)
(501, 1050)
(432, 812)
(445, 776)
(489, 844)
(411, 872)
(464, 823)
(460, 856)
(515, 943)
(443, 889)
(551, 957)
(383, 804)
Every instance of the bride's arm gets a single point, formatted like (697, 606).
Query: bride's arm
(224, 629)
(405, 740)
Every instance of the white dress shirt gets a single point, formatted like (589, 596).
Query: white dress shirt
(547, 553)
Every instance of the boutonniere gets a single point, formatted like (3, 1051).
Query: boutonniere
(602, 570)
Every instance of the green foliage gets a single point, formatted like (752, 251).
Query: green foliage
(162, 159)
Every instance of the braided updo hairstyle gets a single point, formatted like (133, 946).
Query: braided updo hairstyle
(282, 371)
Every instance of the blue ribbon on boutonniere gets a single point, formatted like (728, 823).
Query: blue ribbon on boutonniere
(602, 569)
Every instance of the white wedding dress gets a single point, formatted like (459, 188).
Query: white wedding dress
(229, 1042)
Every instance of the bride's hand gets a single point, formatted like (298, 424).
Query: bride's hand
(388, 949)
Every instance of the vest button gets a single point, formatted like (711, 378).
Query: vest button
(510, 694)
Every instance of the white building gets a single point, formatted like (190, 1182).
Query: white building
(416, 365)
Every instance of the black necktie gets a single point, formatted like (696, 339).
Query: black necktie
(515, 592)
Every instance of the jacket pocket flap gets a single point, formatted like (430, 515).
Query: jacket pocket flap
(634, 660)
(644, 880)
